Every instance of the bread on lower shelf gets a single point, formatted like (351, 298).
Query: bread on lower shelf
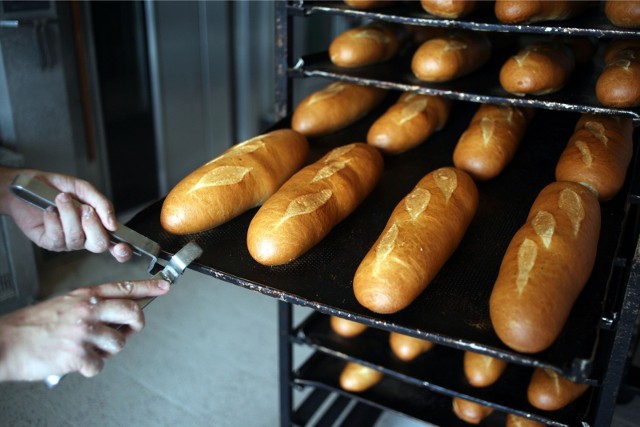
(482, 370)
(358, 378)
(550, 391)
(407, 348)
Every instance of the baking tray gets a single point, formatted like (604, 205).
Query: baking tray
(440, 370)
(453, 310)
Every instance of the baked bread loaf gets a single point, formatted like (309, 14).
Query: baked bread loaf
(365, 45)
(551, 391)
(521, 11)
(491, 140)
(598, 154)
(538, 69)
(517, 421)
(469, 411)
(623, 13)
(448, 8)
(335, 107)
(409, 122)
(619, 83)
(482, 370)
(407, 348)
(450, 56)
(545, 267)
(305, 209)
(423, 231)
(367, 4)
(239, 179)
(345, 327)
(358, 378)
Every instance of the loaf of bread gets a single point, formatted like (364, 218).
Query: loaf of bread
(407, 348)
(305, 209)
(538, 69)
(491, 140)
(409, 122)
(545, 267)
(365, 45)
(517, 421)
(358, 378)
(422, 232)
(550, 391)
(619, 83)
(367, 4)
(598, 154)
(623, 13)
(527, 11)
(482, 370)
(469, 411)
(450, 56)
(345, 327)
(335, 107)
(239, 179)
(448, 8)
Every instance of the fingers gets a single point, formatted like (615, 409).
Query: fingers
(121, 252)
(127, 289)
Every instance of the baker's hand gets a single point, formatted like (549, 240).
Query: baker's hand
(68, 227)
(73, 332)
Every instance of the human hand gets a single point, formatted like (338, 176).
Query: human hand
(74, 332)
(72, 226)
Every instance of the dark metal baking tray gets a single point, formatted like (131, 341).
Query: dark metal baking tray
(440, 370)
(390, 394)
(592, 22)
(453, 310)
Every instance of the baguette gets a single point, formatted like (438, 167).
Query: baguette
(489, 143)
(409, 122)
(598, 154)
(550, 391)
(407, 348)
(619, 83)
(239, 179)
(469, 411)
(450, 56)
(527, 11)
(423, 231)
(358, 378)
(305, 209)
(345, 327)
(335, 107)
(517, 421)
(623, 13)
(365, 45)
(538, 69)
(545, 267)
(451, 9)
(482, 370)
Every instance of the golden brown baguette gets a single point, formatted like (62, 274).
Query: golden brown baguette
(491, 140)
(521, 11)
(450, 56)
(545, 267)
(365, 45)
(367, 4)
(239, 179)
(334, 107)
(345, 327)
(538, 69)
(482, 370)
(517, 421)
(358, 378)
(451, 9)
(305, 209)
(598, 154)
(469, 411)
(409, 122)
(423, 231)
(550, 391)
(623, 13)
(407, 348)
(619, 83)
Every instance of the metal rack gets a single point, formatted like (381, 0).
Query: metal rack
(453, 311)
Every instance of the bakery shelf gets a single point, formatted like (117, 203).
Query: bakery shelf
(439, 370)
(453, 311)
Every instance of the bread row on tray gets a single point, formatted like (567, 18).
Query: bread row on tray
(621, 13)
(545, 267)
(541, 66)
(547, 390)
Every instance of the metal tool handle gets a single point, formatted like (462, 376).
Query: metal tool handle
(42, 196)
